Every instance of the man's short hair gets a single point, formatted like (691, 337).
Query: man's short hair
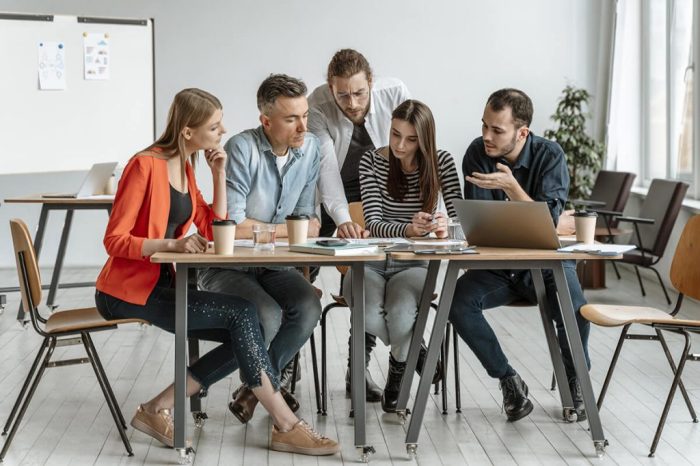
(278, 85)
(519, 103)
(348, 62)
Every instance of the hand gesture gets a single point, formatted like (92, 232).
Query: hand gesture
(216, 159)
(191, 244)
(501, 179)
(351, 230)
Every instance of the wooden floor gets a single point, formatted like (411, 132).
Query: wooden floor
(68, 421)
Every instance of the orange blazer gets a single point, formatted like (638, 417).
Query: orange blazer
(140, 211)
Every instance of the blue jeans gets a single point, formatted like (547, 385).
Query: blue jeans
(477, 290)
(230, 320)
(288, 308)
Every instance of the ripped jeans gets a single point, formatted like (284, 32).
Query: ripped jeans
(227, 319)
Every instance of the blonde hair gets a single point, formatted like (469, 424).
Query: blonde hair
(190, 108)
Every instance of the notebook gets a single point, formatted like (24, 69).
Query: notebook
(507, 224)
(93, 184)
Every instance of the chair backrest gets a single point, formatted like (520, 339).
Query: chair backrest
(357, 215)
(22, 242)
(612, 188)
(685, 268)
(663, 203)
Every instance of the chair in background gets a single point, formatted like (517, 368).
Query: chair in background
(685, 277)
(608, 198)
(357, 216)
(71, 327)
(653, 227)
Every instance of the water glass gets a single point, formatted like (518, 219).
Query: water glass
(264, 237)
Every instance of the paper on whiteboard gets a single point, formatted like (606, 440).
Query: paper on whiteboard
(96, 56)
(52, 65)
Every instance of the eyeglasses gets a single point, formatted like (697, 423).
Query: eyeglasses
(346, 96)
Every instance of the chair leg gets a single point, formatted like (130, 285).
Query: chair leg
(295, 371)
(30, 394)
(671, 393)
(26, 384)
(639, 279)
(193, 352)
(317, 385)
(554, 382)
(111, 403)
(663, 287)
(688, 403)
(324, 368)
(105, 381)
(458, 391)
(617, 271)
(445, 361)
(616, 355)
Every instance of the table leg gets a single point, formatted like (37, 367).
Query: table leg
(434, 345)
(58, 265)
(181, 273)
(416, 340)
(553, 343)
(23, 316)
(357, 360)
(569, 318)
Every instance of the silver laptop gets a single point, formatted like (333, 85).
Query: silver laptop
(94, 183)
(507, 224)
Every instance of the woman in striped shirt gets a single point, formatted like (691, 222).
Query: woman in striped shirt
(400, 186)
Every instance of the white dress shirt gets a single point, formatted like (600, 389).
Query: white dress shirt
(334, 130)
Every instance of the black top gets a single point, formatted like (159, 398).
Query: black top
(350, 172)
(180, 211)
(540, 170)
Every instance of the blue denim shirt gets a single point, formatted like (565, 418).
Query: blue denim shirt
(255, 189)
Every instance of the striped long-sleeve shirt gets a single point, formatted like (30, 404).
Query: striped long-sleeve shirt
(386, 217)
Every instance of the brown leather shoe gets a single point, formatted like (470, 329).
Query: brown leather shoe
(158, 425)
(243, 404)
(304, 440)
(289, 399)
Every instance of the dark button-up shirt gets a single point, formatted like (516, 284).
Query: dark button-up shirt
(540, 170)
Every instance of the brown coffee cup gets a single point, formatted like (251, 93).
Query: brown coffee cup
(585, 222)
(224, 236)
(297, 228)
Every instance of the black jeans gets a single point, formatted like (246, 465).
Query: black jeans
(477, 290)
(227, 319)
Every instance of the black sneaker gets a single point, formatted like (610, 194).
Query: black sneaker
(577, 396)
(515, 401)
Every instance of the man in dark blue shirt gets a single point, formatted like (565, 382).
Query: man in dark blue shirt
(510, 163)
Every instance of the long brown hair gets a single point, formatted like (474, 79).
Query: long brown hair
(190, 108)
(419, 115)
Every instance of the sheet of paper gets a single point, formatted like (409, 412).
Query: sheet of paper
(378, 241)
(52, 65)
(96, 56)
(437, 242)
(598, 248)
(248, 243)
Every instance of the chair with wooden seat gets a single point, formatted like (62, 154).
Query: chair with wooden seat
(357, 216)
(70, 327)
(685, 277)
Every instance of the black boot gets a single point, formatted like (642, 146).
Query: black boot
(390, 397)
(515, 401)
(372, 391)
(286, 374)
(437, 376)
(577, 396)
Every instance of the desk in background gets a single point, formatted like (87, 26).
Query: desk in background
(69, 205)
(186, 263)
(498, 258)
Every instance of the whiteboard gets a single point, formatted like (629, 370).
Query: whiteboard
(90, 120)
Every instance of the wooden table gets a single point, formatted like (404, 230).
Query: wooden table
(69, 205)
(247, 257)
(499, 258)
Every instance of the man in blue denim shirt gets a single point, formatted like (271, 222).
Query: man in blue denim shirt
(510, 163)
(271, 173)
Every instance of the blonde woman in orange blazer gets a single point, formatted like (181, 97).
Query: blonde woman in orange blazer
(156, 203)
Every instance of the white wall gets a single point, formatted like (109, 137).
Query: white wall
(451, 54)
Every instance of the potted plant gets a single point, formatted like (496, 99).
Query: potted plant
(584, 155)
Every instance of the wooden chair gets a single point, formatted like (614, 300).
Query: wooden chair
(685, 277)
(357, 216)
(63, 328)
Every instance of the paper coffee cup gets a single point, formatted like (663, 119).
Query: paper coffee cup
(224, 235)
(585, 222)
(297, 228)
